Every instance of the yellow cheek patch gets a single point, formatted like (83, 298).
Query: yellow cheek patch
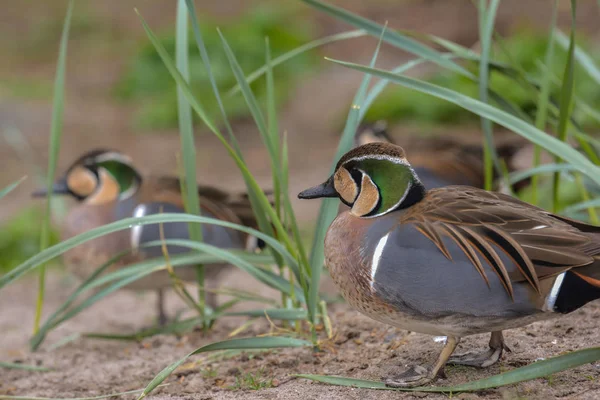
(345, 185)
(367, 199)
(107, 191)
(82, 181)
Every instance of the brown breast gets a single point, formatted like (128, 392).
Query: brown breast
(349, 268)
(86, 257)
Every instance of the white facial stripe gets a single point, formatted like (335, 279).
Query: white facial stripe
(129, 192)
(113, 156)
(551, 299)
(377, 257)
(395, 160)
(136, 230)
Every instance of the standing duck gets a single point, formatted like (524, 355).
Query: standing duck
(453, 261)
(108, 188)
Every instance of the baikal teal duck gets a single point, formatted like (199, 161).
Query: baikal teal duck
(108, 188)
(453, 261)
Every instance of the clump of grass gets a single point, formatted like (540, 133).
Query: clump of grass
(252, 380)
(149, 85)
(524, 49)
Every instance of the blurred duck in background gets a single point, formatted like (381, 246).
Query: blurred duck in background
(108, 188)
(445, 161)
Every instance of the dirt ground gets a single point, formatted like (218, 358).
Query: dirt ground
(362, 348)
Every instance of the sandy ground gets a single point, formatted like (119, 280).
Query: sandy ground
(361, 348)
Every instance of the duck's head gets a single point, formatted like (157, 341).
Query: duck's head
(97, 177)
(375, 132)
(373, 179)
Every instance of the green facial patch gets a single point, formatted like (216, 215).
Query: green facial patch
(125, 175)
(392, 179)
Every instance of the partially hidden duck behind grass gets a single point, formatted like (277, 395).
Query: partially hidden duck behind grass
(452, 261)
(448, 160)
(108, 188)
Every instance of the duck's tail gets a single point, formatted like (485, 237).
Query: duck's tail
(578, 286)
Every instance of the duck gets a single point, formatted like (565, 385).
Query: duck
(446, 160)
(452, 261)
(107, 187)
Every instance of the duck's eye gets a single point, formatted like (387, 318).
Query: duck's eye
(346, 185)
(82, 181)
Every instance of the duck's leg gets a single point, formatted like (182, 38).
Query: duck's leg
(485, 359)
(418, 375)
(160, 307)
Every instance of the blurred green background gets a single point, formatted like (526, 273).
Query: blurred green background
(119, 95)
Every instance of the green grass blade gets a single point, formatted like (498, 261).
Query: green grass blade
(213, 82)
(272, 126)
(120, 278)
(583, 59)
(487, 15)
(297, 51)
(187, 325)
(251, 101)
(289, 314)
(56, 125)
(25, 367)
(539, 170)
(260, 202)
(329, 207)
(500, 117)
(263, 275)
(543, 99)
(105, 396)
(586, 197)
(233, 344)
(261, 123)
(68, 244)
(391, 37)
(11, 187)
(95, 280)
(566, 101)
(536, 370)
(378, 88)
(39, 336)
(186, 137)
(283, 203)
(582, 206)
(186, 130)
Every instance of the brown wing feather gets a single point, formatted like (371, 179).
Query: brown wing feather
(467, 248)
(429, 231)
(539, 243)
(229, 207)
(489, 254)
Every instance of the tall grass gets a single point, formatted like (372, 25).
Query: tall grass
(188, 148)
(298, 272)
(55, 137)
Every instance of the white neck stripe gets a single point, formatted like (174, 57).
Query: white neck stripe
(551, 299)
(377, 254)
(136, 230)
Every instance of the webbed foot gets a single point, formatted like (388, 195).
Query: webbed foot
(416, 375)
(484, 359)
